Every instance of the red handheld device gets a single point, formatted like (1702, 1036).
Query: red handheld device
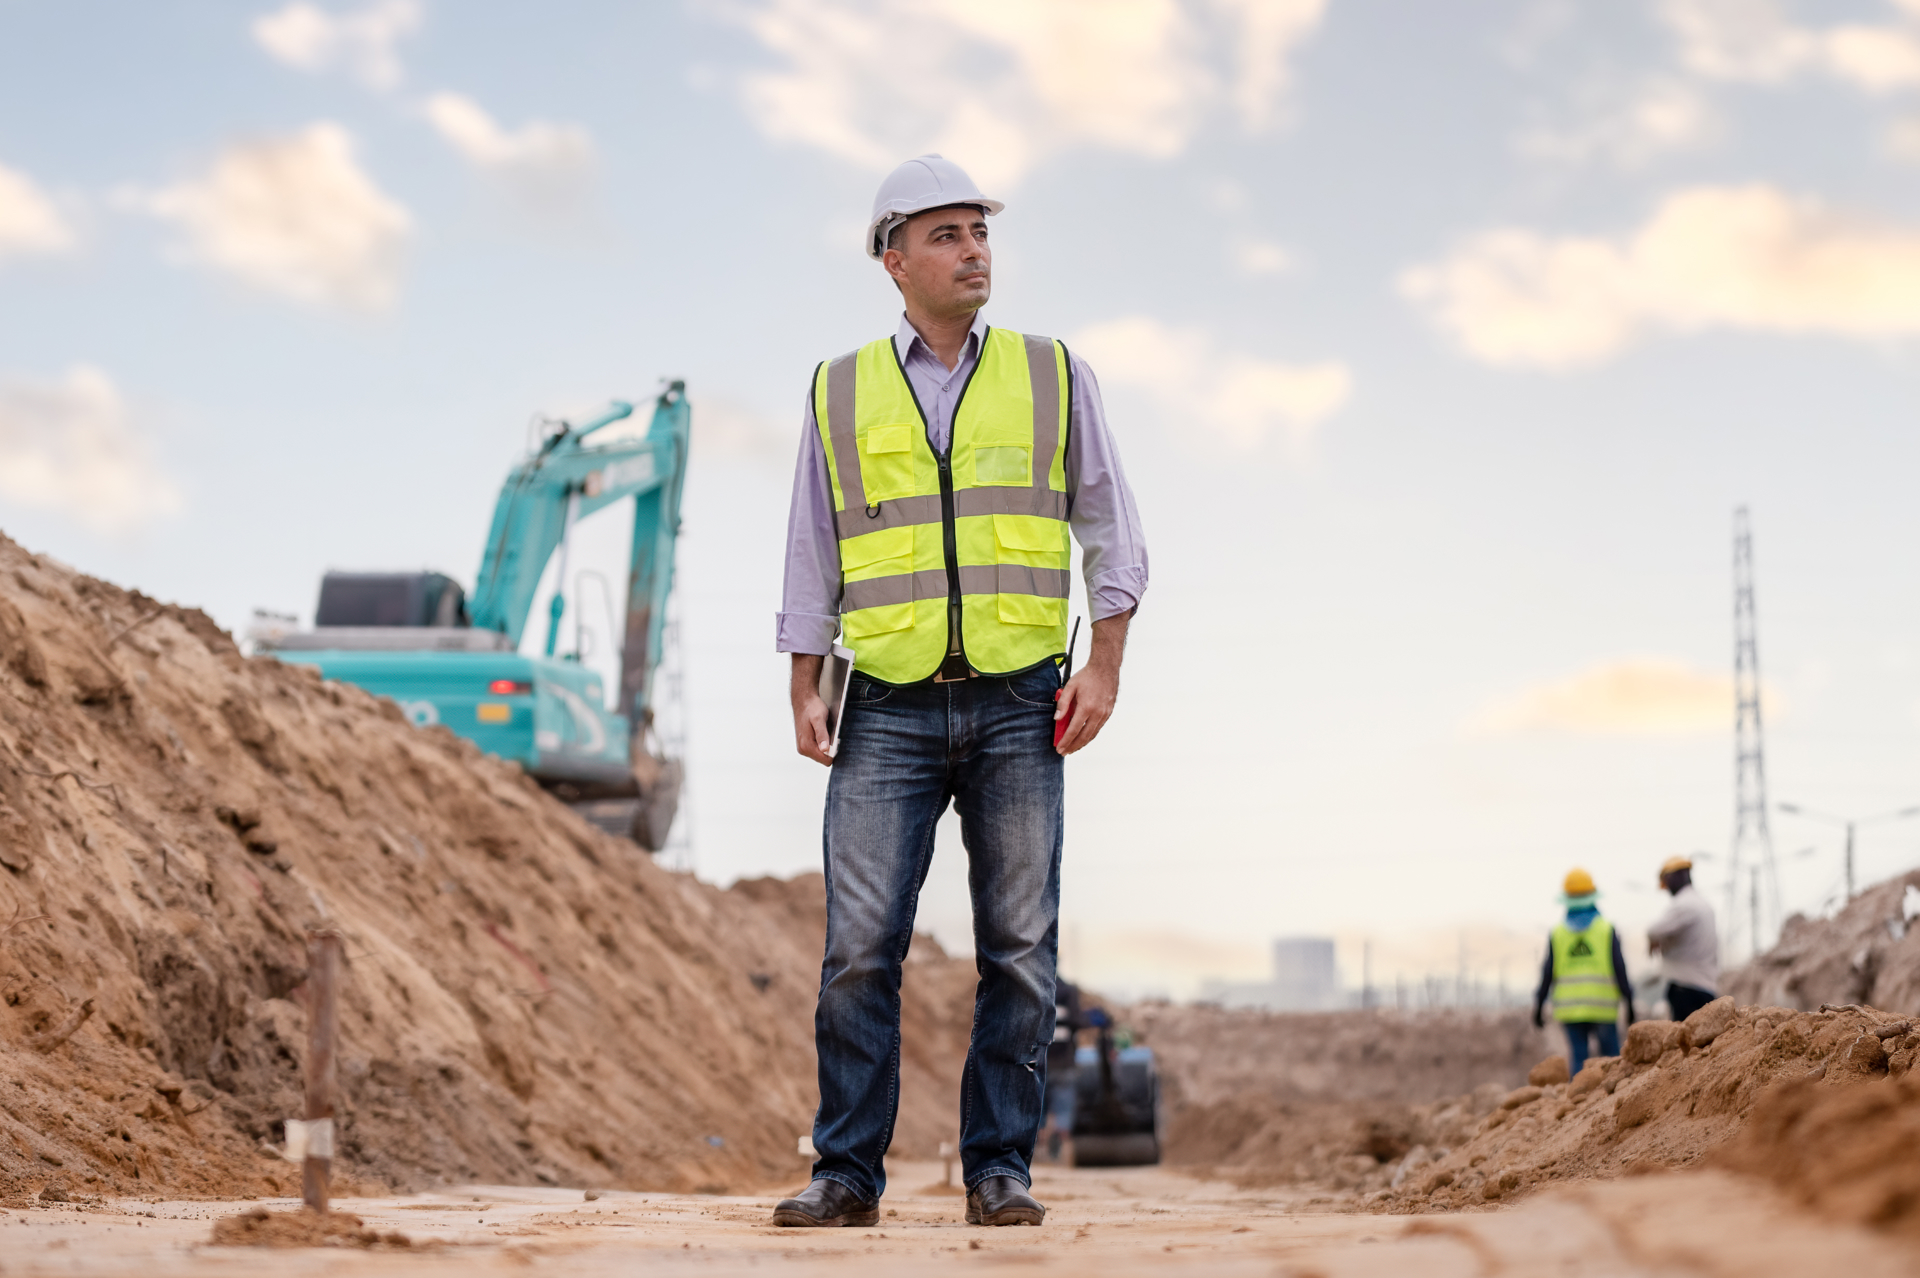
(1066, 673)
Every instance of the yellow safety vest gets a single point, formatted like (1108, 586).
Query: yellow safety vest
(1583, 988)
(981, 531)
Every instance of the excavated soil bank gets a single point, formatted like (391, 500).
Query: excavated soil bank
(1676, 1093)
(1867, 953)
(525, 999)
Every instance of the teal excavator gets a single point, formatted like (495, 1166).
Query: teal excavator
(449, 659)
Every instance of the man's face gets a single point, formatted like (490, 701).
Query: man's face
(943, 263)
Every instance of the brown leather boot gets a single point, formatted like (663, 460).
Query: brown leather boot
(1002, 1200)
(825, 1204)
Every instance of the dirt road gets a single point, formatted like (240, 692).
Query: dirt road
(1101, 1222)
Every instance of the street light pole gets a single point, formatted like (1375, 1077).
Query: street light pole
(1849, 824)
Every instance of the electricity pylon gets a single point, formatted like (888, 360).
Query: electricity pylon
(1751, 857)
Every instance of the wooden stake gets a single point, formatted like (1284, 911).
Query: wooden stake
(323, 990)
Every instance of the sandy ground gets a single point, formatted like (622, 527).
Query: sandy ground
(1106, 1222)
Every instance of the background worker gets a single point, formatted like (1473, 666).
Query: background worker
(1687, 942)
(940, 471)
(1585, 975)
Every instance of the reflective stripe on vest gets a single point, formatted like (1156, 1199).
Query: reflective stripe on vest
(1003, 551)
(1583, 985)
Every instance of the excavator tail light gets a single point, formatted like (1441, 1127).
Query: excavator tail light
(510, 688)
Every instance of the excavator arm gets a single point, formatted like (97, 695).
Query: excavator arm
(566, 479)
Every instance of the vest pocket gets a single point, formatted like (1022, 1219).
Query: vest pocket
(878, 621)
(887, 553)
(874, 554)
(1032, 540)
(886, 462)
(1002, 465)
(1031, 610)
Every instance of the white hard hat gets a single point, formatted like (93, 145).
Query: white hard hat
(925, 182)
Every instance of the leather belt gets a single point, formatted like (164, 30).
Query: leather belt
(954, 669)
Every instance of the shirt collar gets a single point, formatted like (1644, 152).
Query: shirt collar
(907, 335)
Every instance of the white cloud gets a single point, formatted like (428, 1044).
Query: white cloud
(1240, 398)
(1635, 696)
(537, 153)
(1001, 84)
(1653, 119)
(1755, 42)
(295, 216)
(1268, 32)
(309, 38)
(1747, 257)
(1262, 257)
(29, 222)
(68, 445)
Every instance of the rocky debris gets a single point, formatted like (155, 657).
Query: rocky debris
(1665, 1102)
(1868, 953)
(525, 999)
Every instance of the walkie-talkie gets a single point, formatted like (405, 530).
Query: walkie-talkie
(1066, 673)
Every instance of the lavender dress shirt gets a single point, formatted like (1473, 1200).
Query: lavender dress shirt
(1099, 503)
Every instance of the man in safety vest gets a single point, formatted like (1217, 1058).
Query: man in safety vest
(940, 471)
(1585, 975)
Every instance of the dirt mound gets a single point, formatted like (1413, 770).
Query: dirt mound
(263, 1228)
(1847, 1154)
(525, 998)
(1338, 1099)
(1868, 953)
(1676, 1092)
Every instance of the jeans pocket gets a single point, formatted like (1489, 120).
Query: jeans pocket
(866, 692)
(1035, 687)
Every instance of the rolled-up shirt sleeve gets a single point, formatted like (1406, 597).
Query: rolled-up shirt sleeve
(809, 615)
(1105, 520)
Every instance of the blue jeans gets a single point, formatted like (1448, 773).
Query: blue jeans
(986, 746)
(1580, 1046)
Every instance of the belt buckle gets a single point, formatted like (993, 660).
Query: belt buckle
(943, 675)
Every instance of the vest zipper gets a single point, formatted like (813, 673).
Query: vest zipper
(950, 541)
(951, 545)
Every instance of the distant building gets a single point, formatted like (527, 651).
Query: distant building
(1305, 979)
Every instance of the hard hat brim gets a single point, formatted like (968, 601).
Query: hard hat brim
(877, 238)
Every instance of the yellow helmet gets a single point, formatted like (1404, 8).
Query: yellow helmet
(1579, 883)
(1671, 864)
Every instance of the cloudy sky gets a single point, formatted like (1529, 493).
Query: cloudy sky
(1441, 341)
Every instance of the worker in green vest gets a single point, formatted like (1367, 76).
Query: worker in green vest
(1585, 976)
(942, 471)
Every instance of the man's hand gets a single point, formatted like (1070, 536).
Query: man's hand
(809, 711)
(1088, 699)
